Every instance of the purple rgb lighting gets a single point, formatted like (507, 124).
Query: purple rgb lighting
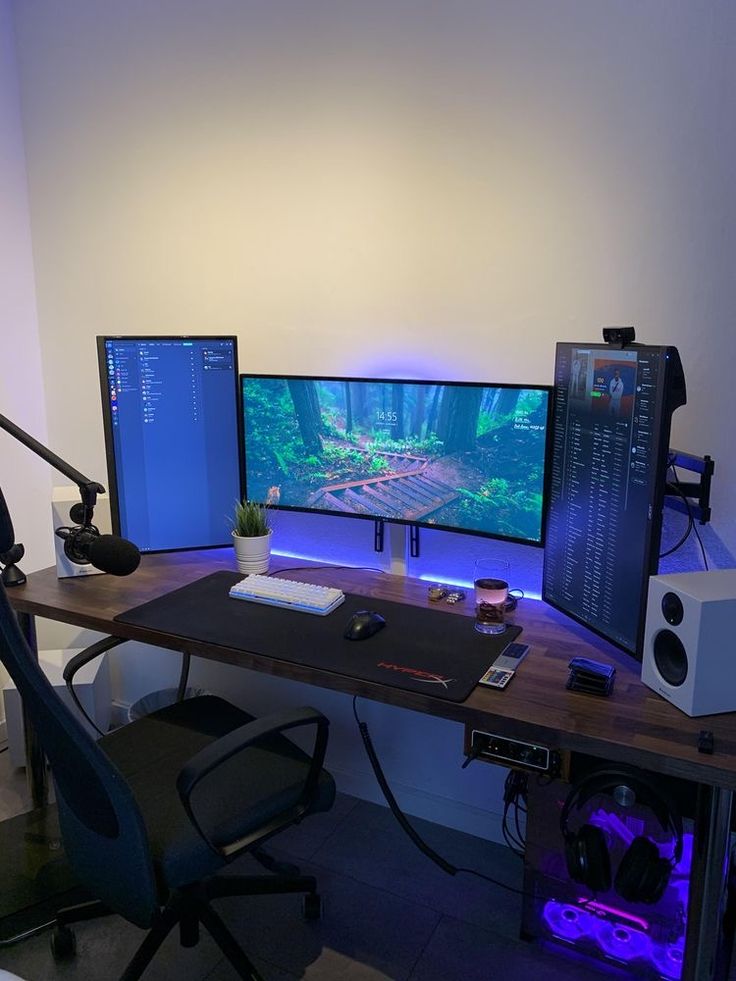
(617, 933)
(601, 908)
(668, 960)
(622, 942)
(616, 941)
(567, 922)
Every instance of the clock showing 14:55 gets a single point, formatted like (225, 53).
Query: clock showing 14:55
(387, 417)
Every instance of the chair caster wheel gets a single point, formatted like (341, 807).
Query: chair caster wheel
(312, 906)
(63, 943)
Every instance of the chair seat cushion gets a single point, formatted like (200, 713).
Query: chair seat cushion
(238, 799)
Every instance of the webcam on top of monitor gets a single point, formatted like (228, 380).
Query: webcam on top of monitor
(620, 336)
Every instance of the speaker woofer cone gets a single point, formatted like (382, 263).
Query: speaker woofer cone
(670, 658)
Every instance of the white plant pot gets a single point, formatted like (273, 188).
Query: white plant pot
(253, 555)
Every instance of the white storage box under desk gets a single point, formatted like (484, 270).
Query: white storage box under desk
(91, 685)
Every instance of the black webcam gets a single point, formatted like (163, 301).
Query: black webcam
(621, 336)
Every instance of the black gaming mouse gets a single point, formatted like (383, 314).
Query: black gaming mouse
(363, 625)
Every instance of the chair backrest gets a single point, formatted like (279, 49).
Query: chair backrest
(103, 833)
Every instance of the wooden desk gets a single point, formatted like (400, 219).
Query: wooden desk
(633, 726)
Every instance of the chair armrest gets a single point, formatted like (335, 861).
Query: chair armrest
(223, 749)
(79, 660)
(87, 655)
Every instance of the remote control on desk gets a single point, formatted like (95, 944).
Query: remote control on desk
(493, 678)
(511, 657)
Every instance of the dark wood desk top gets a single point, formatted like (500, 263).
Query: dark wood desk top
(633, 726)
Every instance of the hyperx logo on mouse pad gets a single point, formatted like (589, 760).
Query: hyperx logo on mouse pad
(429, 677)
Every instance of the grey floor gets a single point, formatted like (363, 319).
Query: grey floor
(389, 913)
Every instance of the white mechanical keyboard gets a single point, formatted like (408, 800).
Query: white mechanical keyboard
(303, 596)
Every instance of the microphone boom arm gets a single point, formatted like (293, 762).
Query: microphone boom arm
(88, 491)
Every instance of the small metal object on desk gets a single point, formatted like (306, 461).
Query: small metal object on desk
(706, 741)
(456, 597)
(436, 593)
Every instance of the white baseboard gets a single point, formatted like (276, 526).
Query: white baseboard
(416, 802)
(119, 713)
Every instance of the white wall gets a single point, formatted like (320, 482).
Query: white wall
(380, 187)
(24, 479)
(416, 188)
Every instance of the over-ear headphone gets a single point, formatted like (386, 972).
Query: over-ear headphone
(642, 874)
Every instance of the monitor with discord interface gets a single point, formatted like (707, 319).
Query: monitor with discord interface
(613, 408)
(171, 416)
(458, 456)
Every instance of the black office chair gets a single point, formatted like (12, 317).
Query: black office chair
(152, 811)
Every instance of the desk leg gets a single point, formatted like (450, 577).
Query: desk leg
(708, 884)
(38, 786)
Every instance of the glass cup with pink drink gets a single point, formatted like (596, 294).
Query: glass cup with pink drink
(491, 587)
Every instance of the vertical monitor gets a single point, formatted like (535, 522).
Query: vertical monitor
(459, 456)
(171, 416)
(610, 444)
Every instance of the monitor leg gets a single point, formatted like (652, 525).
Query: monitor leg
(38, 785)
(379, 534)
(398, 549)
(414, 541)
(704, 952)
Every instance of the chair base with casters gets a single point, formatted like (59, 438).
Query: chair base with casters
(189, 908)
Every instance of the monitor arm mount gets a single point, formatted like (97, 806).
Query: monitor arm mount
(693, 496)
(379, 537)
(80, 514)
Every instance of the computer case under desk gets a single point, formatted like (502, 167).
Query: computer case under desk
(643, 940)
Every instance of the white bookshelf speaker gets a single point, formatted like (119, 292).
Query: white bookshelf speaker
(689, 654)
(62, 500)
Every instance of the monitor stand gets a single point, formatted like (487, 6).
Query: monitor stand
(398, 549)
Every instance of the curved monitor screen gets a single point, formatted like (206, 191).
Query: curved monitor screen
(460, 456)
(170, 409)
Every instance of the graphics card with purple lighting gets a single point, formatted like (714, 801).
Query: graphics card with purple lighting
(647, 941)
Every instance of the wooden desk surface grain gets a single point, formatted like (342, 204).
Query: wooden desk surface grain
(633, 726)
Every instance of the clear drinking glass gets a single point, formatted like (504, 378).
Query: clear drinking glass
(491, 587)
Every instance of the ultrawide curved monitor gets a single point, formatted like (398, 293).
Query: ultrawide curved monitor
(171, 416)
(459, 456)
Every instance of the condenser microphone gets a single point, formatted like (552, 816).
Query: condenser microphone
(86, 546)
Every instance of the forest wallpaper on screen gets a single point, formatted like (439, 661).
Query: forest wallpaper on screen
(452, 455)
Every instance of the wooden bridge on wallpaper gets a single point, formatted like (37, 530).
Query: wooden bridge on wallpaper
(407, 493)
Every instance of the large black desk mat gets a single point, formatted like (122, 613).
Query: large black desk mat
(419, 649)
